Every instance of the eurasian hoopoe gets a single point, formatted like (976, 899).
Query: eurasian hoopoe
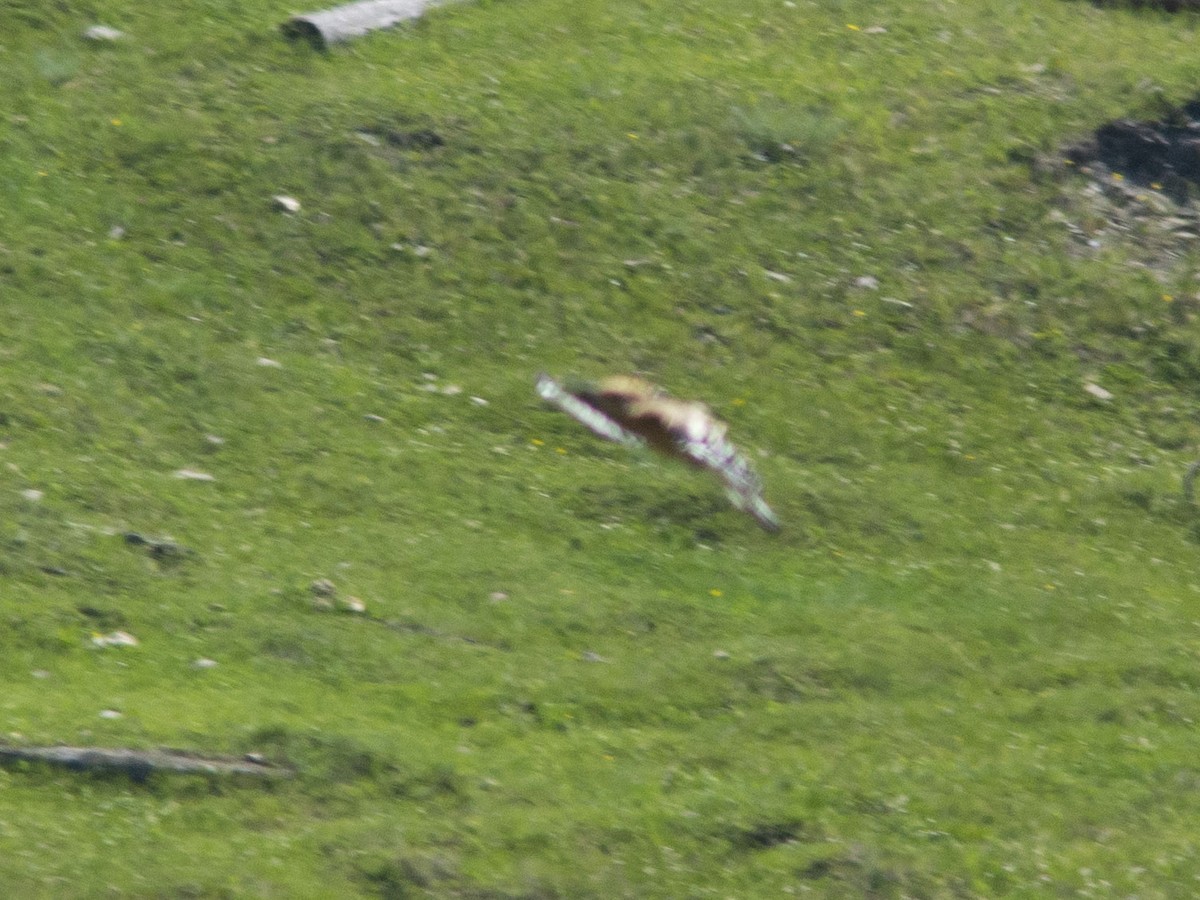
(634, 412)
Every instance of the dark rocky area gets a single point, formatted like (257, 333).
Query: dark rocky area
(1163, 154)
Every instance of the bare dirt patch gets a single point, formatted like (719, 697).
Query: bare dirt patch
(1162, 154)
(1140, 186)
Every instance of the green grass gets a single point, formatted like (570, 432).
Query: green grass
(966, 668)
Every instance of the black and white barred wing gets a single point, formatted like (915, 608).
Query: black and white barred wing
(704, 440)
(631, 412)
(588, 416)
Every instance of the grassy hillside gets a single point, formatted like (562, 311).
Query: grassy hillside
(967, 667)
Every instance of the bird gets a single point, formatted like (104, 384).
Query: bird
(631, 411)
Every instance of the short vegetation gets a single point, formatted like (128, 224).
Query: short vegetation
(274, 479)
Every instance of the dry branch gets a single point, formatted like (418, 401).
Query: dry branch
(139, 764)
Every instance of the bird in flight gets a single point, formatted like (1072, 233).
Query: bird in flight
(633, 412)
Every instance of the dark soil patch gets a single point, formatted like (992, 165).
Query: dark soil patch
(764, 835)
(1162, 154)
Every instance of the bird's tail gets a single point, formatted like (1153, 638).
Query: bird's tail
(715, 451)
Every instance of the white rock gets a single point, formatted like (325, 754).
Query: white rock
(1098, 392)
(286, 204)
(103, 33)
(115, 639)
(353, 605)
(193, 475)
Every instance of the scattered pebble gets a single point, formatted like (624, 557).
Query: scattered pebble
(215, 439)
(286, 204)
(204, 663)
(867, 282)
(115, 639)
(110, 714)
(374, 419)
(1098, 392)
(193, 475)
(116, 232)
(720, 654)
(498, 596)
(592, 657)
(32, 494)
(418, 250)
(268, 363)
(777, 276)
(322, 587)
(159, 548)
(479, 401)
(102, 33)
(40, 674)
(353, 605)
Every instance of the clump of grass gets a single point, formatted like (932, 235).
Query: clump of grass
(774, 131)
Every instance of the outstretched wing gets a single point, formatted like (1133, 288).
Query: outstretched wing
(634, 413)
(704, 441)
(587, 415)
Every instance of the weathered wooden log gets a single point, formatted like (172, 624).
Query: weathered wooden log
(139, 764)
(352, 20)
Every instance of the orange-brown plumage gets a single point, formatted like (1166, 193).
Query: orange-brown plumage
(630, 410)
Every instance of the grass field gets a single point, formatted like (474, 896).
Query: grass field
(967, 667)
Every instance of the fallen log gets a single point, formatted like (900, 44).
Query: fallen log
(140, 764)
(342, 23)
